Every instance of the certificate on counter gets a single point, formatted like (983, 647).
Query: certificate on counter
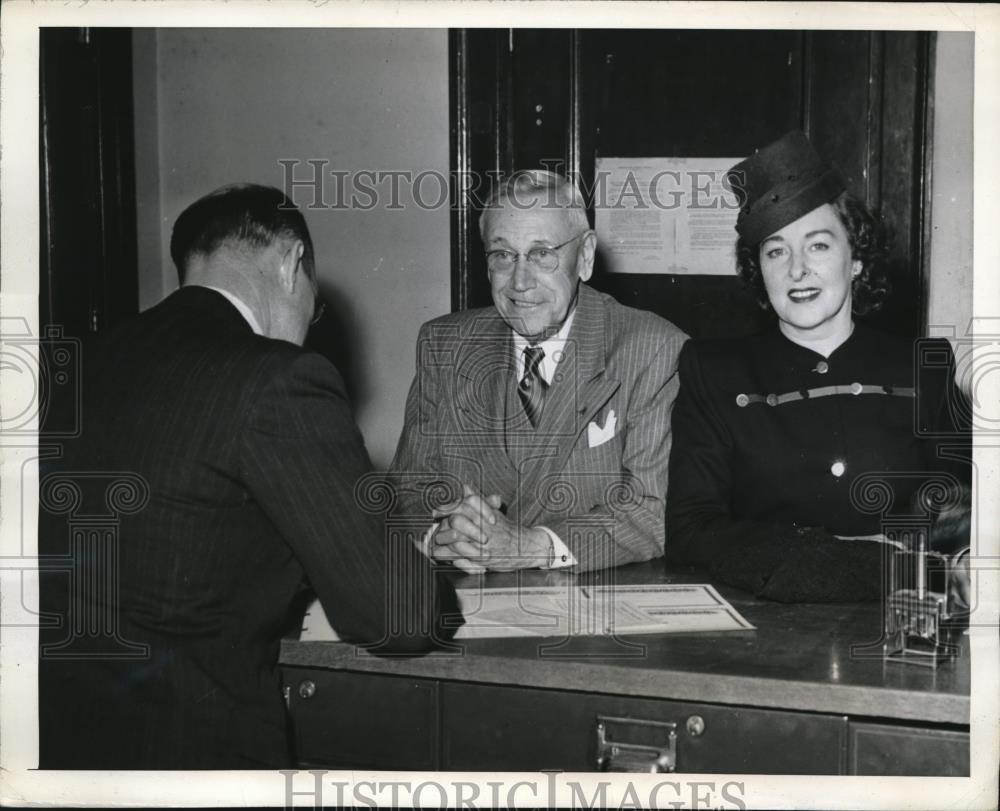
(665, 215)
(596, 611)
(570, 610)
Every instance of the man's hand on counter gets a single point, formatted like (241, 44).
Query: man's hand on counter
(475, 536)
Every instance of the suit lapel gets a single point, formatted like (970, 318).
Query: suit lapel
(485, 370)
(572, 401)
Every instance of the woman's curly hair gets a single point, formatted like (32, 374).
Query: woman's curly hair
(867, 238)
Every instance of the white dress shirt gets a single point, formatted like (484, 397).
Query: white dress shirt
(239, 304)
(554, 349)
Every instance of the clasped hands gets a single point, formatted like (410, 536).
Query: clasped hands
(475, 536)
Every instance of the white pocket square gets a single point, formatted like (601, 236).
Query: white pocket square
(598, 435)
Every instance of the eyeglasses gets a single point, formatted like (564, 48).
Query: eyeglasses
(545, 259)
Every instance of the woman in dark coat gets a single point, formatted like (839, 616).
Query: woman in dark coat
(796, 452)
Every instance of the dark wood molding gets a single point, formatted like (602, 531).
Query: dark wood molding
(88, 255)
(573, 149)
(458, 93)
(481, 134)
(926, 175)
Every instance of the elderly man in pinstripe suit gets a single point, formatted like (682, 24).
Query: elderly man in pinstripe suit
(550, 410)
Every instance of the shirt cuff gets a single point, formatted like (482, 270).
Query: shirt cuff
(425, 544)
(561, 556)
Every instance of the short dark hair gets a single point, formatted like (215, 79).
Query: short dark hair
(243, 213)
(868, 242)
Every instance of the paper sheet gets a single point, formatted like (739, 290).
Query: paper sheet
(665, 215)
(568, 610)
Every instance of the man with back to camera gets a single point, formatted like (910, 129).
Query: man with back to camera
(246, 447)
(551, 409)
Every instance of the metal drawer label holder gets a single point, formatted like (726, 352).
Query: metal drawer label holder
(622, 756)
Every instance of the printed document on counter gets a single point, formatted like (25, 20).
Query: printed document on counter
(570, 610)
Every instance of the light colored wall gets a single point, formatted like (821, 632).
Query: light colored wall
(950, 283)
(215, 106)
(156, 280)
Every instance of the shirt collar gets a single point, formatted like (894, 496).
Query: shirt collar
(239, 304)
(553, 347)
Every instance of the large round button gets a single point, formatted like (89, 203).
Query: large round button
(742, 400)
(772, 399)
(838, 468)
(822, 367)
(855, 388)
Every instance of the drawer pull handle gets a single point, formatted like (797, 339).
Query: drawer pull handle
(307, 688)
(695, 725)
(623, 756)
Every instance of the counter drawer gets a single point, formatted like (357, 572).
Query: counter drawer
(878, 749)
(492, 728)
(360, 720)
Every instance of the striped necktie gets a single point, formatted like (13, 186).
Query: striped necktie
(531, 389)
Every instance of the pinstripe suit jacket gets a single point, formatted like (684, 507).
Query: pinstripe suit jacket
(250, 457)
(464, 423)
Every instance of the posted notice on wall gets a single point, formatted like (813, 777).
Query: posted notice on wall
(665, 215)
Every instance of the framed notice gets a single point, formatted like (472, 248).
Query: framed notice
(665, 215)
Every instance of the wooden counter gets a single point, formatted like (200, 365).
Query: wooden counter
(805, 668)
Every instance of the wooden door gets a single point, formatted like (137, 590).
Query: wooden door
(88, 278)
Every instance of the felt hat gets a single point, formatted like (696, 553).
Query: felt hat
(780, 183)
